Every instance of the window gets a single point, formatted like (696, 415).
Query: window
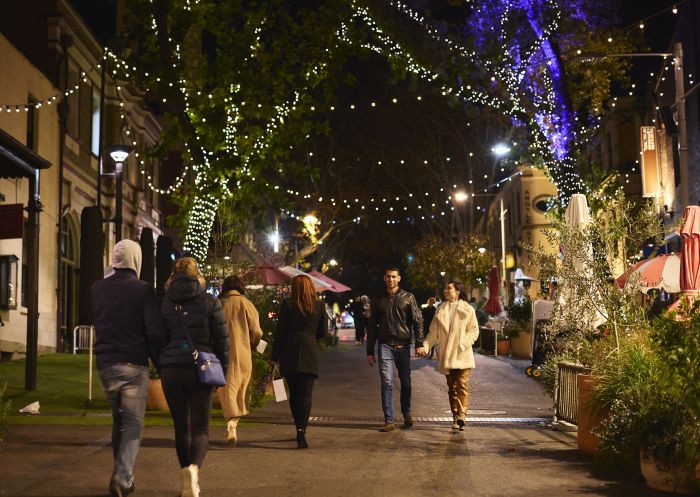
(32, 124)
(95, 131)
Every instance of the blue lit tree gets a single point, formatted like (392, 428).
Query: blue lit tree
(521, 58)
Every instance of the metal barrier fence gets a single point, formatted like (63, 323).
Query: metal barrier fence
(84, 339)
(566, 392)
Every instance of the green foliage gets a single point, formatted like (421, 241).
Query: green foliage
(651, 390)
(457, 259)
(5, 406)
(590, 304)
(520, 313)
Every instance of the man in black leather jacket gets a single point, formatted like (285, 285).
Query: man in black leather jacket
(396, 318)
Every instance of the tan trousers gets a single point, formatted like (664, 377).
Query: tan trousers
(458, 391)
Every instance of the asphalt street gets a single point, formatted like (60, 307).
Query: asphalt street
(507, 448)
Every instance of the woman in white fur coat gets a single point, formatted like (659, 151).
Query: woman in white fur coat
(455, 329)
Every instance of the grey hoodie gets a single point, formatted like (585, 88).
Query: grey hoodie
(127, 255)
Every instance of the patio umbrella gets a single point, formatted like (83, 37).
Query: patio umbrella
(662, 272)
(270, 275)
(690, 254)
(291, 272)
(493, 305)
(335, 286)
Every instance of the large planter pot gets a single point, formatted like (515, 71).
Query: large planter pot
(676, 481)
(520, 345)
(156, 398)
(503, 347)
(589, 418)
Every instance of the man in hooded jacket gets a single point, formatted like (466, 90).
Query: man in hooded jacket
(128, 330)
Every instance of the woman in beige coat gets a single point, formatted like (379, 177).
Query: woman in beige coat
(245, 332)
(455, 328)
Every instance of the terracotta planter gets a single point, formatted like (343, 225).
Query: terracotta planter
(156, 398)
(678, 481)
(503, 347)
(520, 345)
(589, 419)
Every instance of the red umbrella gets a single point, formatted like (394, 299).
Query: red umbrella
(336, 286)
(690, 253)
(270, 275)
(493, 305)
(660, 272)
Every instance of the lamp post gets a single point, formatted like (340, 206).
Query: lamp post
(119, 154)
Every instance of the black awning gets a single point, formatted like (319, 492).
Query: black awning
(18, 161)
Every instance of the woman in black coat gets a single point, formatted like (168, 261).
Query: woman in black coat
(191, 317)
(300, 323)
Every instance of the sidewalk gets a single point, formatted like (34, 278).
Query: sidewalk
(505, 451)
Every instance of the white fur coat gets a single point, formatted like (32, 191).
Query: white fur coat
(455, 342)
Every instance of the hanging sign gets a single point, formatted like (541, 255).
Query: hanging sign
(650, 163)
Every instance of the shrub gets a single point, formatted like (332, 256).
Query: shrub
(5, 406)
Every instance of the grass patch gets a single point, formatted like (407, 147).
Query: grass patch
(62, 391)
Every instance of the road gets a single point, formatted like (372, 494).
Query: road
(506, 449)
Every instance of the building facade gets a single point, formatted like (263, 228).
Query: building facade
(55, 72)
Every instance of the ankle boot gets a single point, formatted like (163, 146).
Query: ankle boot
(231, 435)
(301, 439)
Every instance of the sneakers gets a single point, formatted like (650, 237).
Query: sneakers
(455, 425)
(231, 435)
(407, 421)
(116, 489)
(189, 479)
(388, 426)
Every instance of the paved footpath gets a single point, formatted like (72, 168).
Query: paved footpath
(506, 449)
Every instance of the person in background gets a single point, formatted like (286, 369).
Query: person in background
(245, 333)
(358, 317)
(428, 313)
(193, 319)
(301, 321)
(128, 330)
(455, 328)
(396, 318)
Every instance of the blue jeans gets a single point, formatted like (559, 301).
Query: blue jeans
(389, 357)
(126, 389)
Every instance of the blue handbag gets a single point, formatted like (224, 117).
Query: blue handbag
(208, 366)
(209, 370)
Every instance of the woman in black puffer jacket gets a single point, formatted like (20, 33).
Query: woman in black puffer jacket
(189, 309)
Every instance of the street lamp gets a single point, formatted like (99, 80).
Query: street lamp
(119, 154)
(333, 263)
(500, 149)
(274, 239)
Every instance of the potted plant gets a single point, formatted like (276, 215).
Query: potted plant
(504, 338)
(652, 391)
(520, 321)
(156, 397)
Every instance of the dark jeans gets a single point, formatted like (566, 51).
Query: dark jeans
(126, 389)
(390, 356)
(360, 326)
(301, 386)
(190, 405)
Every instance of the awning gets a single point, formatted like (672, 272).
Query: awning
(18, 161)
(336, 286)
(319, 285)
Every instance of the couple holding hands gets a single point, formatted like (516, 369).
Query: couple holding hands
(396, 319)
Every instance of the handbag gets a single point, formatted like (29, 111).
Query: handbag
(208, 366)
(209, 370)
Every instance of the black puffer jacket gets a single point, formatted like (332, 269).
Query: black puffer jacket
(188, 307)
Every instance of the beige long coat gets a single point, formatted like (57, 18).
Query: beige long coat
(245, 334)
(455, 349)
